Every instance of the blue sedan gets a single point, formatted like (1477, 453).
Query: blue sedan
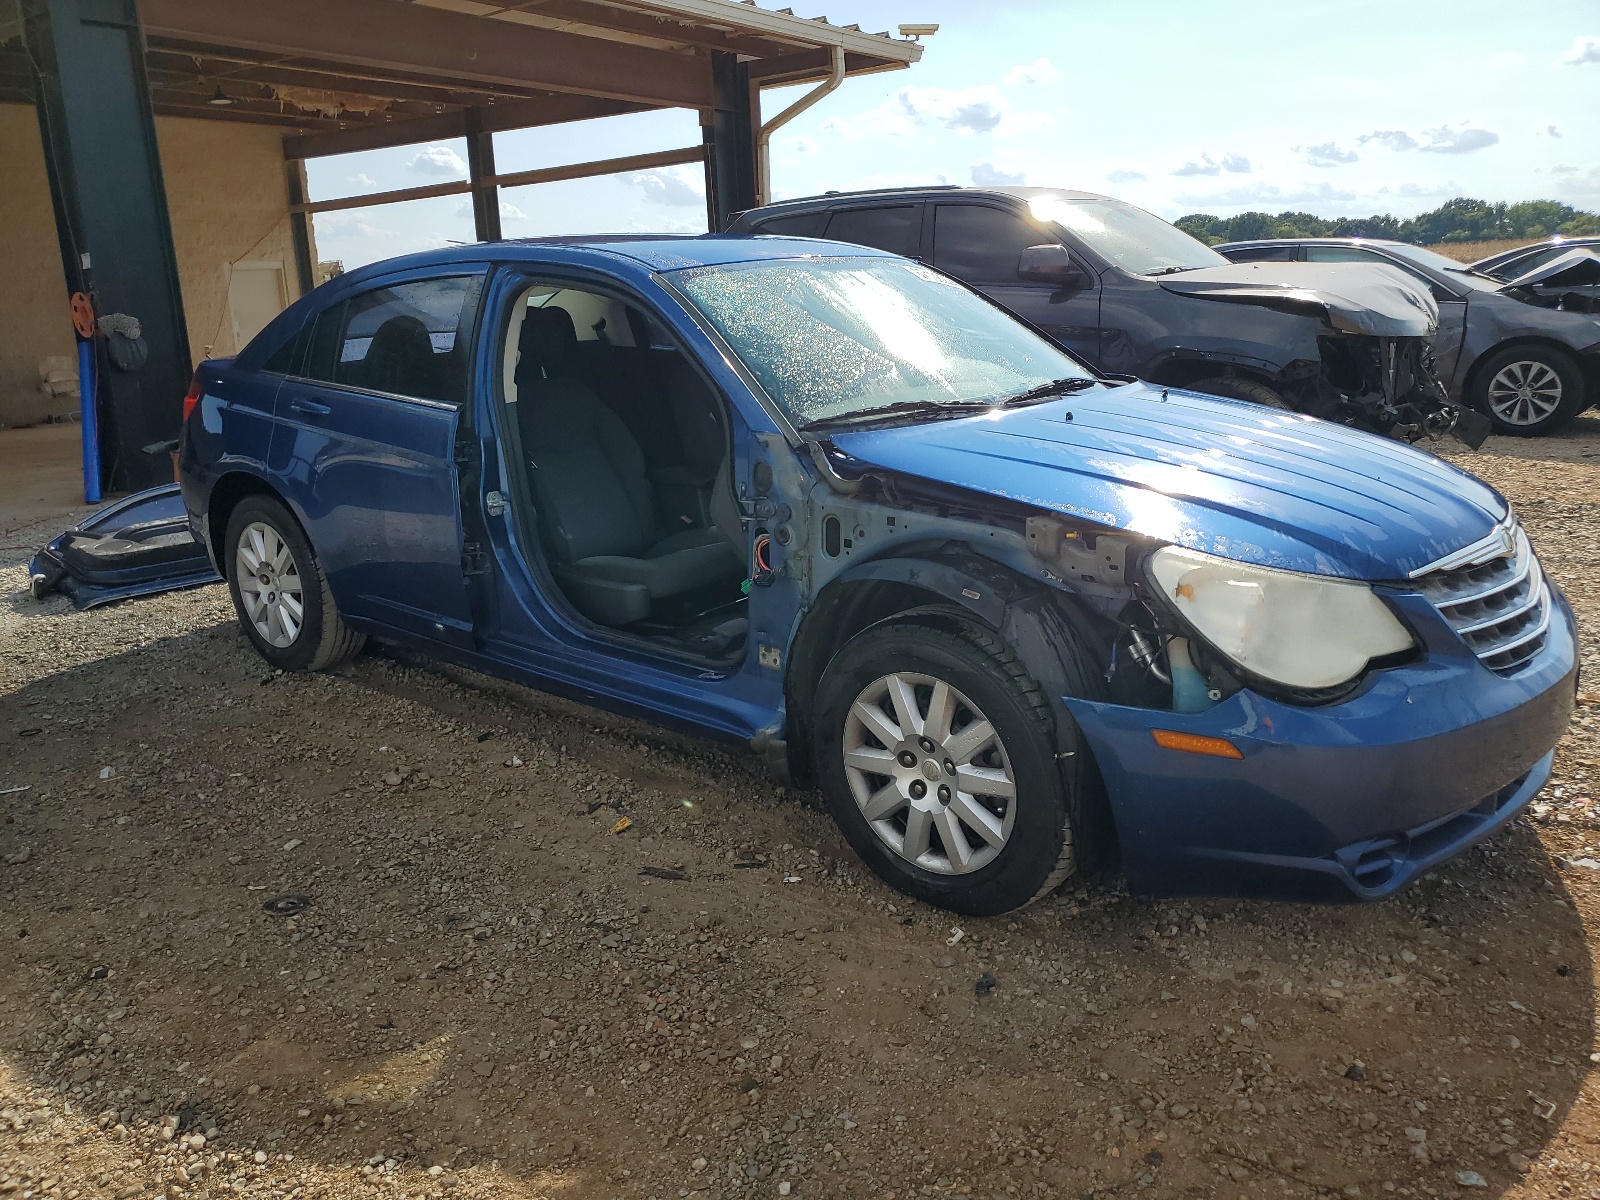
(1011, 616)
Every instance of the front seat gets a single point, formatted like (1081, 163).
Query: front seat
(596, 510)
(400, 359)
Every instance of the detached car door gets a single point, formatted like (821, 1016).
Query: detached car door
(982, 245)
(366, 447)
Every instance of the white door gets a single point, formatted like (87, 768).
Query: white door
(256, 294)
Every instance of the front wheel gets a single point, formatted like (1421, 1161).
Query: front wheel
(937, 756)
(279, 591)
(1528, 391)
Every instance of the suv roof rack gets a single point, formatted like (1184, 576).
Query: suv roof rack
(889, 191)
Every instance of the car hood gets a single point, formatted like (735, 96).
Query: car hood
(1256, 485)
(1352, 297)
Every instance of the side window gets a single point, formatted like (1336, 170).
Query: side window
(285, 360)
(1265, 254)
(1528, 262)
(895, 228)
(1342, 254)
(402, 340)
(980, 244)
(801, 225)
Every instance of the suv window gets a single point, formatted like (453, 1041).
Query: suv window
(1343, 254)
(896, 228)
(1264, 254)
(401, 340)
(980, 244)
(801, 225)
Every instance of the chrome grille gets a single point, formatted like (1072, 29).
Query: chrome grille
(1494, 595)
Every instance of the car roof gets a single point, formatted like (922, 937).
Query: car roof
(1311, 241)
(653, 252)
(911, 193)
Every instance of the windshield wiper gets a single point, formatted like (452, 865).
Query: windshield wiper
(1056, 387)
(1165, 271)
(900, 408)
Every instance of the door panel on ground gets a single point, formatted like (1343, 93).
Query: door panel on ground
(896, 228)
(368, 435)
(982, 246)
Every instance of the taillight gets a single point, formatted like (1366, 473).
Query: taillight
(192, 396)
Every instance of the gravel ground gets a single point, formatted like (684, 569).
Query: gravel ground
(550, 953)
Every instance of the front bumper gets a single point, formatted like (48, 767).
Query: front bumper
(1344, 801)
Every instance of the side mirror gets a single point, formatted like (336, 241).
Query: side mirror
(1052, 265)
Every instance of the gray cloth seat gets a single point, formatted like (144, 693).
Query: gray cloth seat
(596, 509)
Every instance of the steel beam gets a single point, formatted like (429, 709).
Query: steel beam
(443, 44)
(480, 174)
(497, 118)
(99, 140)
(732, 169)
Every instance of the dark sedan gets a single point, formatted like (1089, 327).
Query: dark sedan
(1512, 264)
(1530, 366)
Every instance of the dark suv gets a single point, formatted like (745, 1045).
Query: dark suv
(1131, 294)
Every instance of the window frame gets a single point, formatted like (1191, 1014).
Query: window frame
(466, 333)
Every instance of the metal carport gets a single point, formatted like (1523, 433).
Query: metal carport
(349, 75)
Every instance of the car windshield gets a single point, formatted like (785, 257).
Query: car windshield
(1457, 272)
(1138, 242)
(830, 337)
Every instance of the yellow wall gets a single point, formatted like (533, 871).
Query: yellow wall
(228, 201)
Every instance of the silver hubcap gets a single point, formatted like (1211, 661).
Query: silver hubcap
(1524, 393)
(269, 585)
(929, 773)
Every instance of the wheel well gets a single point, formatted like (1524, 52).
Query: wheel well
(1180, 372)
(1590, 373)
(847, 607)
(226, 494)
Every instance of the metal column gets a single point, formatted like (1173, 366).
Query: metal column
(300, 225)
(100, 148)
(730, 139)
(480, 173)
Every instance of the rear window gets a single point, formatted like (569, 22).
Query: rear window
(1264, 254)
(799, 225)
(400, 340)
(896, 228)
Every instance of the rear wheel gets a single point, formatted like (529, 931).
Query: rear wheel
(1528, 391)
(279, 591)
(1235, 388)
(937, 755)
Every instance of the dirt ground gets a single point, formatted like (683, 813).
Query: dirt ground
(497, 990)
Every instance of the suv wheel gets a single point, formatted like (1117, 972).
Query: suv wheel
(279, 591)
(1234, 388)
(1528, 391)
(937, 755)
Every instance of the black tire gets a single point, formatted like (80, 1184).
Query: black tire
(1041, 851)
(1540, 365)
(322, 640)
(1235, 388)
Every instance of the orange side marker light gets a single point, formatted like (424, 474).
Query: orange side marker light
(1194, 743)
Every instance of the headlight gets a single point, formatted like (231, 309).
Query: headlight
(1303, 631)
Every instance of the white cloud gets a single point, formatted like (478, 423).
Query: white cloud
(364, 181)
(1552, 131)
(508, 211)
(1264, 195)
(1040, 70)
(1121, 175)
(965, 111)
(1235, 164)
(1563, 169)
(1583, 51)
(1392, 139)
(801, 145)
(1445, 140)
(679, 186)
(986, 174)
(656, 224)
(1329, 154)
(439, 160)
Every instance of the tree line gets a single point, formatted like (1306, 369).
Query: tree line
(1458, 220)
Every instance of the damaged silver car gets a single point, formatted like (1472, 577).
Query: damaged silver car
(1524, 351)
(1133, 295)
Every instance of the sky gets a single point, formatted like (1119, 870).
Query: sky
(1335, 107)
